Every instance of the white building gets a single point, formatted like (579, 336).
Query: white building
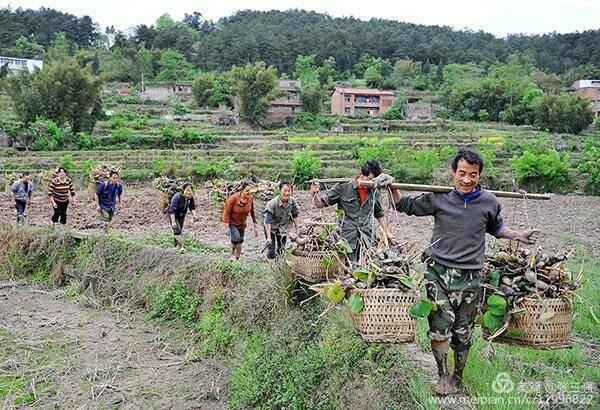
(17, 64)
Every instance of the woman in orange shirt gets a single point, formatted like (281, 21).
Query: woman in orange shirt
(235, 217)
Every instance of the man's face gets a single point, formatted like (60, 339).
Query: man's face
(113, 179)
(286, 192)
(466, 176)
(26, 178)
(369, 177)
(187, 192)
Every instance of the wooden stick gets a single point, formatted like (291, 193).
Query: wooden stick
(437, 188)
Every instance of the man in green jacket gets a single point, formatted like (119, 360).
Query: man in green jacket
(359, 205)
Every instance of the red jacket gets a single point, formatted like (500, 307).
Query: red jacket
(236, 212)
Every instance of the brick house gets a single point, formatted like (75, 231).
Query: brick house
(162, 91)
(368, 101)
(589, 89)
(288, 104)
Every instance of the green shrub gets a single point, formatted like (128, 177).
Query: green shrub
(193, 137)
(169, 133)
(397, 110)
(11, 126)
(139, 123)
(86, 141)
(309, 121)
(483, 115)
(121, 135)
(214, 168)
(46, 135)
(116, 122)
(546, 171)
(564, 113)
(161, 166)
(67, 163)
(306, 165)
(179, 109)
(87, 166)
(176, 302)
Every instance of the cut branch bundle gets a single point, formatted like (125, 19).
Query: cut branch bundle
(168, 187)
(262, 190)
(102, 171)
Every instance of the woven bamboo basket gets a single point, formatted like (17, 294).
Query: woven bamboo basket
(310, 267)
(385, 316)
(527, 331)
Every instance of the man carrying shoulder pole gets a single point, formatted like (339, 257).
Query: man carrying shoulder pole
(455, 258)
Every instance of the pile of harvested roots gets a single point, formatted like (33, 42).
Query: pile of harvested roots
(523, 272)
(386, 267)
(319, 235)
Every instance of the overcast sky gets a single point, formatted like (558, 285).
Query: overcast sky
(498, 17)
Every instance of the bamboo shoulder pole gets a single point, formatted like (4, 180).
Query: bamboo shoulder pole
(441, 189)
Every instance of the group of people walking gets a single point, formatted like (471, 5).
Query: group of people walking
(61, 194)
(454, 259)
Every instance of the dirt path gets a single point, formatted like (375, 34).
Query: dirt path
(98, 358)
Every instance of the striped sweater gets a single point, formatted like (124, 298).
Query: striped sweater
(60, 190)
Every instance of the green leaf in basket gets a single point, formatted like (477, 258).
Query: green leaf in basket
(361, 274)
(497, 305)
(327, 262)
(494, 278)
(339, 212)
(547, 316)
(334, 293)
(491, 321)
(356, 303)
(343, 247)
(406, 281)
(422, 308)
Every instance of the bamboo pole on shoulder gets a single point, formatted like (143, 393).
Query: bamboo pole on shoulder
(437, 188)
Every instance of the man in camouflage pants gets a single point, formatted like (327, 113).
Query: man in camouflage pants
(455, 259)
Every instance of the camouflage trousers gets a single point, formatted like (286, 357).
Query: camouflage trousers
(457, 293)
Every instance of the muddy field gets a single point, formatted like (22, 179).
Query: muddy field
(100, 359)
(563, 220)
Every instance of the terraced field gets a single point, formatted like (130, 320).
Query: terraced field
(158, 142)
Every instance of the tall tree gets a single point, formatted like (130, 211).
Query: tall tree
(253, 88)
(64, 93)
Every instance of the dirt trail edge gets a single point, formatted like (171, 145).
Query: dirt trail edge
(105, 359)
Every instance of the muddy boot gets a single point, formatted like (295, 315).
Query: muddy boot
(445, 385)
(460, 361)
